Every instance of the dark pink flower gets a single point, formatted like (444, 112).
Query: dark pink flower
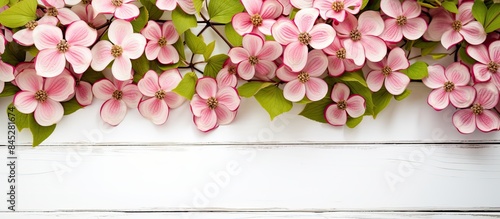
(338, 63)
(403, 20)
(344, 105)
(227, 75)
(387, 72)
(160, 40)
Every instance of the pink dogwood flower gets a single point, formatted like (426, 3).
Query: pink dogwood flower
(256, 57)
(227, 75)
(213, 106)
(55, 50)
(344, 105)
(403, 20)
(118, 96)
(387, 71)
(361, 37)
(307, 81)
(451, 30)
(338, 63)
(302, 4)
(297, 35)
(287, 6)
(158, 95)
(488, 66)
(449, 85)
(43, 95)
(6, 74)
(480, 114)
(57, 9)
(259, 17)
(169, 5)
(25, 36)
(121, 9)
(124, 45)
(337, 9)
(87, 14)
(83, 90)
(160, 42)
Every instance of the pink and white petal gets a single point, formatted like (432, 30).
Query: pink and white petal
(486, 95)
(207, 121)
(169, 32)
(473, 33)
(411, 9)
(206, 87)
(340, 92)
(25, 102)
(118, 30)
(488, 121)
(436, 77)
(103, 89)
(242, 23)
(104, 7)
(285, 74)
(375, 48)
(6, 72)
(155, 110)
(131, 95)
(494, 51)
(28, 80)
(392, 8)
(127, 12)
(264, 68)
(392, 32)
(101, 53)
(336, 66)
(24, 37)
(397, 59)
(228, 96)
(252, 6)
(295, 56)
(438, 26)
(301, 4)
(285, 32)
(355, 51)
(53, 3)
(271, 9)
(414, 28)
(451, 38)
(173, 100)
(170, 79)
(337, 16)
(356, 106)
(47, 36)
(465, 121)
(168, 5)
(344, 28)
(168, 55)
(224, 78)
(152, 50)
(438, 99)
(113, 111)
(458, 73)
(253, 44)
(79, 33)
(271, 50)
(462, 96)
(479, 53)
(60, 88)
(465, 12)
(370, 23)
(187, 6)
(481, 72)
(197, 105)
(335, 116)
(122, 68)
(375, 80)
(317, 62)
(238, 54)
(265, 27)
(246, 70)
(294, 90)
(148, 85)
(83, 93)
(152, 31)
(49, 112)
(79, 57)
(50, 62)
(224, 115)
(133, 45)
(396, 83)
(66, 16)
(322, 35)
(350, 66)
(305, 19)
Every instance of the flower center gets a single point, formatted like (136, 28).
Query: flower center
(401, 20)
(493, 67)
(117, 3)
(41, 96)
(63, 46)
(477, 109)
(162, 42)
(231, 70)
(338, 6)
(342, 105)
(52, 11)
(86, 1)
(212, 103)
(449, 86)
(355, 35)
(386, 70)
(31, 25)
(117, 94)
(305, 38)
(457, 25)
(341, 53)
(253, 60)
(116, 50)
(303, 77)
(256, 20)
(160, 94)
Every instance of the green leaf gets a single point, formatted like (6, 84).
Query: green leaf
(209, 50)
(353, 122)
(154, 12)
(427, 5)
(222, 11)
(417, 71)
(21, 119)
(9, 90)
(363, 5)
(186, 87)
(40, 133)
(4, 2)
(92, 76)
(140, 66)
(402, 96)
(373, 5)
(438, 56)
(425, 46)
(316, 110)
(166, 67)
(183, 21)
(214, 65)
(251, 88)
(140, 22)
(232, 36)
(479, 11)
(13, 54)
(71, 106)
(198, 4)
(179, 46)
(272, 100)
(464, 56)
(353, 77)
(195, 43)
(381, 100)
(19, 14)
(450, 6)
(492, 22)
(357, 87)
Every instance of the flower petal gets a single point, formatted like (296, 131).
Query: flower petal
(340, 92)
(317, 62)
(285, 32)
(396, 83)
(295, 56)
(494, 51)
(392, 31)
(103, 89)
(375, 80)
(152, 31)
(322, 35)
(397, 59)
(370, 23)
(207, 121)
(458, 73)
(206, 87)
(411, 9)
(187, 6)
(60, 88)
(451, 38)
(391, 8)
(335, 116)
(252, 6)
(438, 99)
(113, 111)
(122, 68)
(79, 57)
(47, 36)
(24, 37)
(25, 102)
(271, 50)
(439, 24)
(375, 48)
(224, 78)
(224, 115)
(414, 28)
(131, 95)
(300, 4)
(228, 96)
(238, 54)
(50, 63)
(170, 79)
(356, 106)
(479, 53)
(487, 95)
(253, 44)
(242, 23)
(79, 33)
(148, 85)
(462, 96)
(168, 5)
(473, 33)
(101, 55)
(487, 121)
(48, 113)
(83, 93)
(155, 110)
(173, 100)
(152, 50)
(133, 45)
(355, 51)
(335, 66)
(294, 91)
(465, 121)
(436, 77)
(66, 16)
(246, 70)
(305, 19)
(197, 105)
(271, 9)
(118, 30)
(481, 72)
(285, 74)
(127, 12)
(169, 32)
(168, 55)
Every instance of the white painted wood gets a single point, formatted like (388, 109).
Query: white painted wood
(308, 177)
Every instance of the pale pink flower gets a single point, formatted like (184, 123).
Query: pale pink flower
(480, 114)
(57, 9)
(387, 71)
(344, 105)
(25, 36)
(302, 4)
(259, 17)
(488, 66)
(297, 35)
(160, 42)
(169, 5)
(361, 37)
(287, 6)
(43, 95)
(256, 57)
(338, 63)
(118, 96)
(83, 90)
(403, 20)
(305, 82)
(6, 74)
(121, 9)
(158, 95)
(227, 75)
(213, 106)
(124, 45)
(452, 29)
(449, 85)
(87, 14)
(55, 50)
(337, 9)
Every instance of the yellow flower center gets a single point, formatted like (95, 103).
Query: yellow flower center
(401, 20)
(160, 94)
(162, 42)
(31, 25)
(304, 77)
(212, 103)
(341, 53)
(256, 20)
(386, 70)
(117, 94)
(41, 96)
(253, 60)
(116, 50)
(355, 35)
(338, 6)
(493, 67)
(342, 105)
(63, 46)
(477, 109)
(449, 86)
(456, 25)
(231, 70)
(305, 38)
(116, 3)
(51, 11)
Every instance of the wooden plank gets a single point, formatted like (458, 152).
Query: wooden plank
(307, 177)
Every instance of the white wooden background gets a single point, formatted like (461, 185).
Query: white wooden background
(408, 163)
